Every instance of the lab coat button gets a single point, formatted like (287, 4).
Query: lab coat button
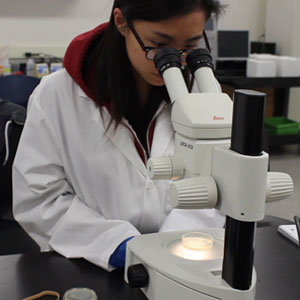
(150, 185)
(138, 276)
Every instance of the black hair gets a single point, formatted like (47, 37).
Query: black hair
(157, 10)
(112, 77)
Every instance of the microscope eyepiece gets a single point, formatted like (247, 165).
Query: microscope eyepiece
(167, 58)
(199, 58)
(200, 64)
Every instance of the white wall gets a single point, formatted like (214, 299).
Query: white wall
(280, 24)
(294, 105)
(245, 15)
(49, 25)
(283, 27)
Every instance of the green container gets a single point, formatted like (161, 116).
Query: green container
(281, 126)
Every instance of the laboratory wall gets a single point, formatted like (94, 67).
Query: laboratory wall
(48, 26)
(294, 107)
(283, 27)
(244, 15)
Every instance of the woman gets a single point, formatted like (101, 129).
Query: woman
(80, 181)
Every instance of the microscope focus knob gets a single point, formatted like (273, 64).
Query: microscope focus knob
(165, 167)
(138, 276)
(279, 186)
(194, 193)
(159, 168)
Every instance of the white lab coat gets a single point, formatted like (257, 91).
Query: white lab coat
(80, 191)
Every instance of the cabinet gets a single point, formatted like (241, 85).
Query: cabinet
(277, 90)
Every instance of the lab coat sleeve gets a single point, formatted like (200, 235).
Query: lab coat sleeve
(47, 207)
(193, 220)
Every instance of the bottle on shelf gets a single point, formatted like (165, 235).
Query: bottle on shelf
(30, 65)
(5, 66)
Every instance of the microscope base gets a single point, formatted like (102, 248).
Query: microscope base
(179, 273)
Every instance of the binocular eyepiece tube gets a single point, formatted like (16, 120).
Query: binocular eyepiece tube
(201, 66)
(168, 63)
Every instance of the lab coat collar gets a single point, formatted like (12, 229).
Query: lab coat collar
(82, 94)
(121, 137)
(163, 133)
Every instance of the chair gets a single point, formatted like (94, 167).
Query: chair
(12, 236)
(17, 88)
(12, 119)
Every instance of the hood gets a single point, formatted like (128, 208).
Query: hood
(78, 48)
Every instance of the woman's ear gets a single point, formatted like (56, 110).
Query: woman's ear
(120, 20)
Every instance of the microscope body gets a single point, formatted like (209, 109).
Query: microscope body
(215, 164)
(204, 151)
(195, 141)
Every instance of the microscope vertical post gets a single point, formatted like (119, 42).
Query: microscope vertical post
(247, 128)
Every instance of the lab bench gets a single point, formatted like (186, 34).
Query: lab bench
(276, 260)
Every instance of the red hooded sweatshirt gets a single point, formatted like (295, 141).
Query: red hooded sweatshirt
(73, 63)
(76, 52)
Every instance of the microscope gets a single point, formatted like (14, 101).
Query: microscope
(218, 162)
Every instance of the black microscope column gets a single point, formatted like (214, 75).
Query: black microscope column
(246, 139)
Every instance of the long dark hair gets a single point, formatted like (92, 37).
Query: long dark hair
(112, 79)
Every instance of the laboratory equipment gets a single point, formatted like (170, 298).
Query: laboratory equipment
(30, 65)
(80, 294)
(218, 162)
(5, 66)
(290, 232)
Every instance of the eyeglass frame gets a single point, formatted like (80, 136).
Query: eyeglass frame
(147, 49)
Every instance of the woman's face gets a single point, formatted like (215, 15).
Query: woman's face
(182, 32)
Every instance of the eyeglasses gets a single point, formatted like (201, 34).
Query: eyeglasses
(152, 51)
